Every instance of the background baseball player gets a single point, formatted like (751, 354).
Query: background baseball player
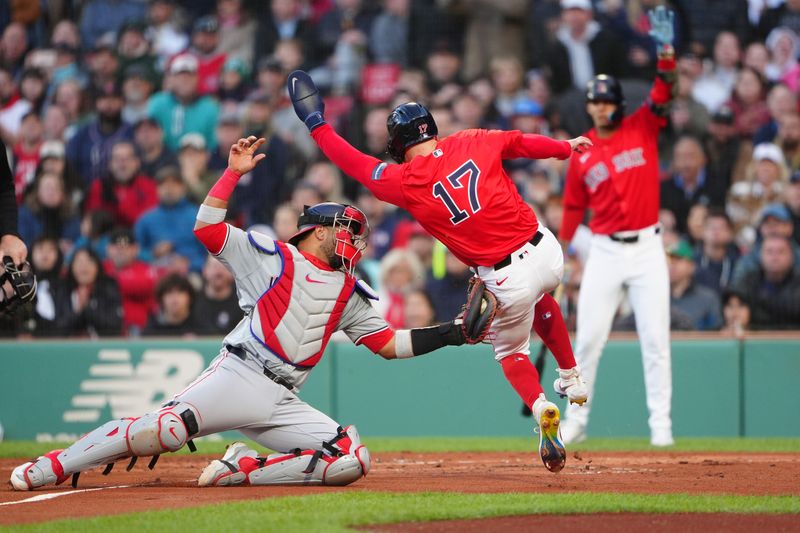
(296, 295)
(457, 189)
(618, 180)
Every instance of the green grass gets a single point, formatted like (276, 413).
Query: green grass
(336, 511)
(24, 449)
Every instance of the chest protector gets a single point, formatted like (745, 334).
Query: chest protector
(295, 318)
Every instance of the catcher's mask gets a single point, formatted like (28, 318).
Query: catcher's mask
(17, 286)
(350, 226)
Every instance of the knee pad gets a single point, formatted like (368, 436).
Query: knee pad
(156, 433)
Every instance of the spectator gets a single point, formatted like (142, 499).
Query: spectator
(528, 117)
(419, 311)
(756, 57)
(284, 223)
(56, 124)
(237, 30)
(209, 58)
(788, 139)
(133, 49)
(748, 103)
(193, 159)
(165, 232)
(87, 302)
(32, 87)
(137, 88)
(775, 221)
(136, 280)
(48, 211)
(695, 224)
(508, 81)
(103, 64)
(233, 81)
(447, 292)
(272, 81)
(229, 130)
(163, 32)
(727, 155)
(467, 110)
(328, 180)
(284, 21)
(715, 86)
(690, 183)
(582, 49)
(696, 302)
(736, 313)
(95, 229)
(792, 202)
(401, 273)
(26, 151)
(126, 193)
(376, 136)
(12, 108)
(52, 158)
(780, 101)
(786, 15)
(217, 306)
(181, 109)
(773, 289)
(70, 99)
(383, 221)
(709, 18)
(149, 138)
(175, 297)
(718, 254)
(765, 179)
(99, 17)
(783, 45)
(13, 46)
(46, 260)
(388, 37)
(90, 148)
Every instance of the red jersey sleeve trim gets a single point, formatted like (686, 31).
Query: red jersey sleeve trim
(214, 237)
(376, 340)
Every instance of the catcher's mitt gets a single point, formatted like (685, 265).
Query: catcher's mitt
(17, 286)
(479, 312)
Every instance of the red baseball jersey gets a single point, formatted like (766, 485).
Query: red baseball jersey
(618, 179)
(460, 193)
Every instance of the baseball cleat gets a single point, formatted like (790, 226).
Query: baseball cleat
(571, 433)
(227, 471)
(570, 385)
(46, 470)
(551, 449)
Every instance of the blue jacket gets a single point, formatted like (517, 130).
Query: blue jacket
(31, 227)
(89, 149)
(173, 224)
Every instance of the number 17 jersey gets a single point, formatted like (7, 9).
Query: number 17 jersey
(461, 194)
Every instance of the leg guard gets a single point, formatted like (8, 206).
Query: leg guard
(166, 430)
(342, 461)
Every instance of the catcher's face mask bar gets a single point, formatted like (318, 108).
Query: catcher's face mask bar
(17, 286)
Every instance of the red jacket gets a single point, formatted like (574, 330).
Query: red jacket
(137, 283)
(132, 199)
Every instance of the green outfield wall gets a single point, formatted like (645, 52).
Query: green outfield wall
(57, 390)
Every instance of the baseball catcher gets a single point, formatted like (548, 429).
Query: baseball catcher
(295, 294)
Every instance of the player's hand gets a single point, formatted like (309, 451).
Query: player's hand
(241, 158)
(580, 144)
(662, 22)
(13, 247)
(306, 99)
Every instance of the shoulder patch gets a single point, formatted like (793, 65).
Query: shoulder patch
(262, 242)
(378, 171)
(366, 290)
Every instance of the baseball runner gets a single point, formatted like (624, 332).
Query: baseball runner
(618, 180)
(457, 189)
(295, 295)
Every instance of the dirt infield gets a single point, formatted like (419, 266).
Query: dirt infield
(171, 484)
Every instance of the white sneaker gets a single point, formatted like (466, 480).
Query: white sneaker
(551, 448)
(572, 433)
(227, 471)
(570, 385)
(661, 438)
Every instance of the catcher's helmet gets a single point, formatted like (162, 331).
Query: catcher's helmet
(409, 124)
(605, 88)
(350, 224)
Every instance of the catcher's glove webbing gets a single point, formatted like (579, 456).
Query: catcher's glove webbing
(17, 286)
(479, 312)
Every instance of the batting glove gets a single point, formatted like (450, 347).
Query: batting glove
(662, 22)
(306, 99)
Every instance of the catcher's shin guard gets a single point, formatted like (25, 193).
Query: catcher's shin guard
(166, 430)
(342, 461)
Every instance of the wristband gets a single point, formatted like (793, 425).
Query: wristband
(223, 189)
(402, 344)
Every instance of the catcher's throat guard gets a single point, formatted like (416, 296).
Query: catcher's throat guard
(17, 286)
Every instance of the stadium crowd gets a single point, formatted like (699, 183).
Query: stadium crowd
(118, 115)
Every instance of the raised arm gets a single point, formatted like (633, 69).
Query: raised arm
(533, 146)
(662, 32)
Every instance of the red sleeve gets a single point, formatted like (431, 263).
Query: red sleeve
(382, 179)
(661, 92)
(535, 147)
(377, 339)
(93, 200)
(213, 236)
(576, 200)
